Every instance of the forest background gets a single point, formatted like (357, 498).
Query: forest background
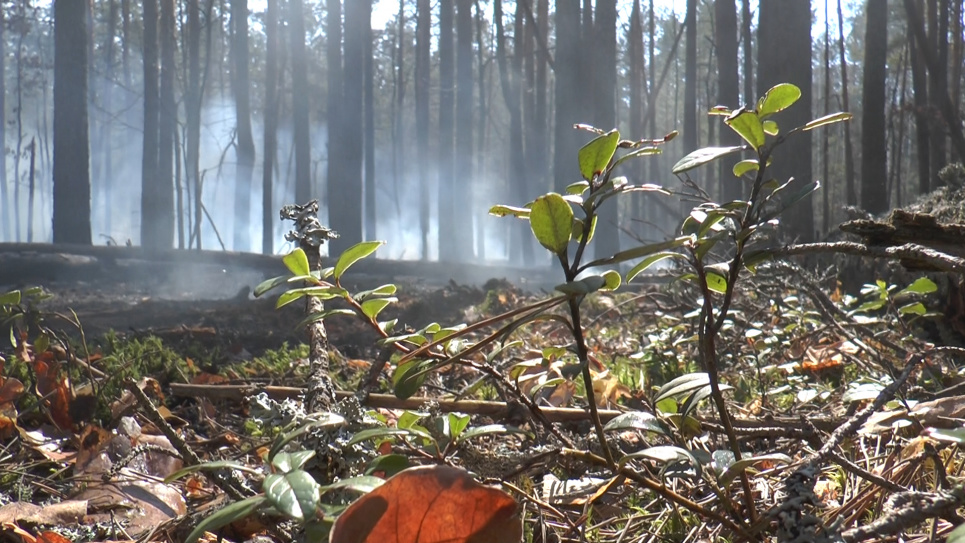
(196, 120)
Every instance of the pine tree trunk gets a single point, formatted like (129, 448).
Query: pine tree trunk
(422, 67)
(268, 211)
(151, 212)
(301, 115)
(874, 174)
(448, 250)
(245, 148)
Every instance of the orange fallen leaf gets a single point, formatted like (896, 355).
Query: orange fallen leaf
(430, 504)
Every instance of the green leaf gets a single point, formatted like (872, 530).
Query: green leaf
(613, 280)
(10, 298)
(503, 210)
(770, 128)
(665, 454)
(577, 188)
(552, 222)
(637, 420)
(862, 392)
(297, 262)
(295, 494)
(371, 308)
(457, 424)
(490, 429)
(643, 151)
(650, 261)
(643, 250)
(716, 281)
(778, 98)
(922, 285)
(362, 484)
(916, 308)
(285, 462)
(353, 254)
(683, 385)
(323, 293)
(322, 421)
(957, 535)
(390, 464)
(269, 284)
(408, 378)
(748, 126)
(583, 286)
(745, 166)
(321, 315)
(382, 433)
(826, 120)
(384, 290)
(740, 465)
(596, 155)
(702, 156)
(698, 396)
(225, 516)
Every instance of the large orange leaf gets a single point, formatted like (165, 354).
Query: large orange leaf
(53, 387)
(430, 504)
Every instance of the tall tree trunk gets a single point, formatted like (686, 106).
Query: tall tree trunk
(919, 85)
(448, 248)
(462, 191)
(398, 120)
(690, 79)
(151, 211)
(637, 84)
(825, 134)
(851, 194)
(874, 171)
(784, 55)
(369, 107)
(423, 36)
(107, 133)
(482, 169)
(605, 77)
(567, 91)
(335, 168)
(746, 38)
(345, 202)
(938, 86)
(245, 148)
(728, 90)
(958, 58)
(167, 127)
(301, 114)
(71, 223)
(192, 109)
(5, 203)
(268, 212)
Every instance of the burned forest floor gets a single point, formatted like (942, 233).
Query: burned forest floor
(843, 386)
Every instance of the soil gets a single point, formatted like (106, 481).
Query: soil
(204, 297)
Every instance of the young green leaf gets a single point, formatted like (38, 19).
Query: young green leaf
(552, 221)
(284, 462)
(650, 261)
(748, 126)
(10, 298)
(295, 493)
(613, 280)
(225, 516)
(922, 285)
(643, 151)
(503, 210)
(371, 308)
(682, 385)
(595, 155)
(778, 98)
(637, 420)
(643, 250)
(297, 262)
(702, 156)
(826, 120)
(353, 254)
(745, 166)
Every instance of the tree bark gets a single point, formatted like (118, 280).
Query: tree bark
(919, 84)
(784, 55)
(245, 143)
(746, 38)
(71, 217)
(605, 78)
(423, 36)
(462, 190)
(851, 195)
(369, 113)
(151, 212)
(874, 174)
(167, 127)
(4, 196)
(448, 250)
(301, 114)
(192, 110)
(268, 212)
(728, 91)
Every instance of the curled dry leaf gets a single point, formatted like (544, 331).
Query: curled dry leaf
(430, 504)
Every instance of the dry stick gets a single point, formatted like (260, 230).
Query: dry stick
(909, 509)
(190, 458)
(912, 251)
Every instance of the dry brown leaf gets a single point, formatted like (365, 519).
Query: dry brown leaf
(56, 514)
(430, 504)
